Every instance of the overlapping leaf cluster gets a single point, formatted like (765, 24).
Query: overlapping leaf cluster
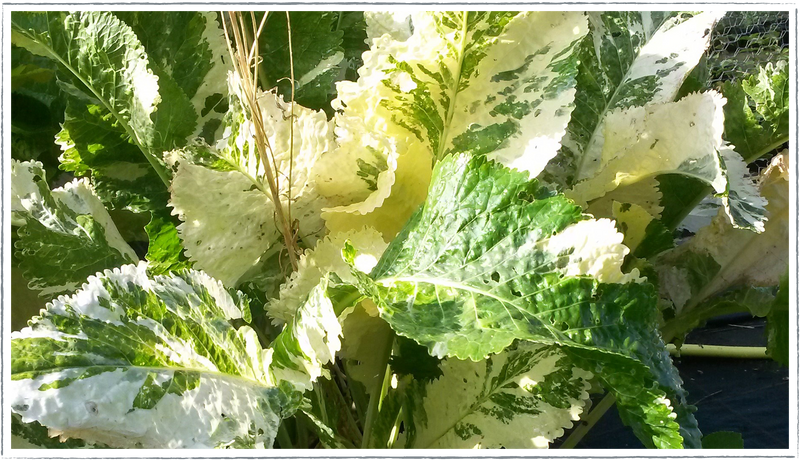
(469, 204)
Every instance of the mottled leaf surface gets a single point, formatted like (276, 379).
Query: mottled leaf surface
(628, 60)
(66, 234)
(309, 341)
(721, 257)
(450, 284)
(683, 137)
(108, 67)
(324, 258)
(480, 82)
(223, 198)
(133, 361)
(521, 398)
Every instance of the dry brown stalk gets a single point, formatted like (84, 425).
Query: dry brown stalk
(245, 63)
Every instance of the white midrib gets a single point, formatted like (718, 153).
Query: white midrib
(443, 140)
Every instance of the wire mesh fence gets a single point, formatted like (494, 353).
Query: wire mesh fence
(744, 40)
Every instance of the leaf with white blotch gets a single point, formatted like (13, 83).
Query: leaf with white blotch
(629, 59)
(324, 258)
(492, 257)
(743, 203)
(134, 361)
(308, 342)
(757, 132)
(522, 398)
(683, 137)
(456, 269)
(95, 144)
(35, 436)
(222, 196)
(480, 82)
(108, 68)
(643, 142)
(190, 47)
(721, 257)
(66, 234)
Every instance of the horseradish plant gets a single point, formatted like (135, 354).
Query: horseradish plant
(375, 230)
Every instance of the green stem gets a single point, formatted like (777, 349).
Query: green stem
(718, 351)
(589, 421)
(692, 318)
(395, 429)
(378, 391)
(767, 149)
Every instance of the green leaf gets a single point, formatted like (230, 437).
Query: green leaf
(778, 324)
(38, 107)
(723, 440)
(757, 301)
(413, 359)
(629, 59)
(521, 398)
(354, 41)
(492, 257)
(165, 251)
(757, 112)
(66, 234)
(107, 64)
(487, 83)
(134, 361)
(317, 55)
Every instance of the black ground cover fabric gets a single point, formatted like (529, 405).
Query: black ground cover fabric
(749, 396)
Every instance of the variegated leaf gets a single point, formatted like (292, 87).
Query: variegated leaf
(630, 59)
(720, 257)
(480, 82)
(154, 362)
(66, 234)
(324, 258)
(522, 398)
(131, 361)
(491, 257)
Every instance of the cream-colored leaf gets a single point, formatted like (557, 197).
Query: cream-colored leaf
(324, 258)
